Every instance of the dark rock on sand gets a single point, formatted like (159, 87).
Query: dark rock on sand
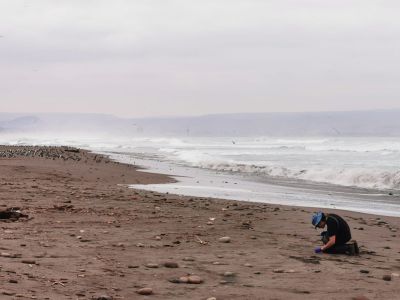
(387, 277)
(171, 265)
(103, 297)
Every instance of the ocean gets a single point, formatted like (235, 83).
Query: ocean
(353, 173)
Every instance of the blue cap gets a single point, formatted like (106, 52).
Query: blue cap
(316, 218)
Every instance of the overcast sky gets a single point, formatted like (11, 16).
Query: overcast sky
(169, 57)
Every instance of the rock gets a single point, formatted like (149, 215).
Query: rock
(291, 271)
(229, 274)
(278, 271)
(248, 265)
(387, 277)
(188, 259)
(133, 266)
(183, 279)
(212, 298)
(145, 291)
(171, 265)
(194, 279)
(151, 265)
(360, 298)
(364, 271)
(29, 261)
(224, 239)
(103, 297)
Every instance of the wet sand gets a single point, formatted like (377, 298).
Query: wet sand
(88, 236)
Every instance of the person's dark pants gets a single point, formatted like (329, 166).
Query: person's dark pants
(335, 249)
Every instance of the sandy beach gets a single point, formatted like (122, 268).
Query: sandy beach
(81, 233)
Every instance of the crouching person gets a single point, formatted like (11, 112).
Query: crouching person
(337, 236)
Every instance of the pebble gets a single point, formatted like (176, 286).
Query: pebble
(29, 261)
(229, 274)
(194, 279)
(188, 259)
(278, 271)
(212, 298)
(224, 239)
(248, 265)
(387, 277)
(152, 265)
(133, 266)
(145, 291)
(183, 279)
(171, 265)
(191, 279)
(104, 297)
(364, 271)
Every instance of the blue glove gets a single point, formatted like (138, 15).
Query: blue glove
(318, 250)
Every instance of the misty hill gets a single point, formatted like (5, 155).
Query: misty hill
(357, 123)
(361, 123)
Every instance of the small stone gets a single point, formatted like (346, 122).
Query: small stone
(364, 271)
(248, 265)
(152, 266)
(28, 261)
(133, 266)
(360, 298)
(145, 291)
(212, 298)
(188, 259)
(387, 277)
(13, 281)
(171, 265)
(224, 239)
(183, 279)
(194, 279)
(104, 297)
(278, 271)
(229, 274)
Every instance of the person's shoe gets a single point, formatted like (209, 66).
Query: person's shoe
(351, 249)
(356, 249)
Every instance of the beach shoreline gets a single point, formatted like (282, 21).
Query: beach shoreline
(200, 182)
(87, 235)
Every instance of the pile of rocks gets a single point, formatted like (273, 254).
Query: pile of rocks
(64, 153)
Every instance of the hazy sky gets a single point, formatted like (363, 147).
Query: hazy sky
(172, 57)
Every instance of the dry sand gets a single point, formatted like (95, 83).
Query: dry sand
(88, 236)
